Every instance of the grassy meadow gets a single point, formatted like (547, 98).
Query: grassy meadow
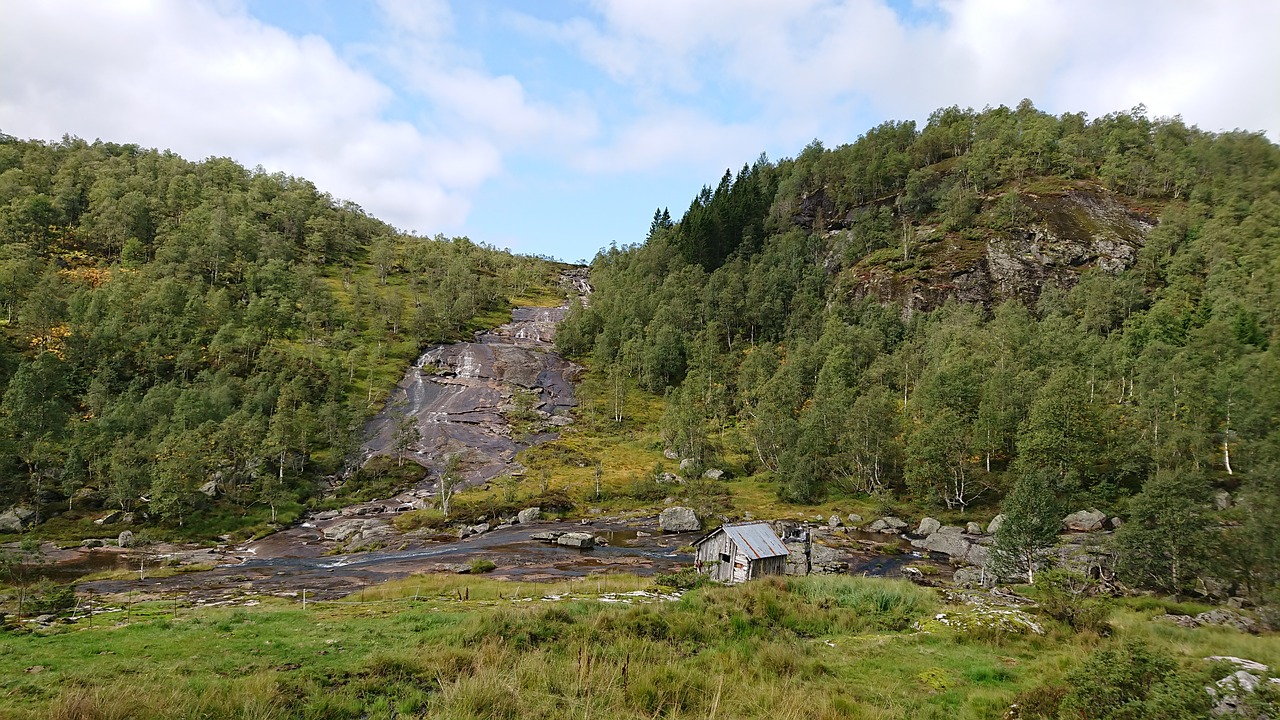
(459, 647)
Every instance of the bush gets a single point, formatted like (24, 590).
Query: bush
(418, 519)
(480, 566)
(1064, 596)
(1133, 681)
(683, 579)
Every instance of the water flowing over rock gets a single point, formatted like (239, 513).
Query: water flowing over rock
(458, 397)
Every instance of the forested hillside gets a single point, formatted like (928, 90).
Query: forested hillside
(939, 314)
(196, 343)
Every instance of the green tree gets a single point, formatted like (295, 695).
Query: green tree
(1167, 537)
(1033, 517)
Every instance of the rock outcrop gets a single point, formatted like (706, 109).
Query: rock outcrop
(16, 519)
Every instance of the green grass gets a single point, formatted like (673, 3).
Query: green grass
(778, 648)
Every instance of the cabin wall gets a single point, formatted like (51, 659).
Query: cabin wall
(709, 557)
(769, 566)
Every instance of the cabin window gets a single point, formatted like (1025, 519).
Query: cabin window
(724, 557)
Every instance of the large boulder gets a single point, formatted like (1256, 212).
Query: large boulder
(1228, 618)
(824, 560)
(16, 518)
(1085, 521)
(209, 489)
(125, 539)
(973, 528)
(834, 522)
(677, 519)
(889, 525)
(927, 526)
(995, 523)
(854, 519)
(713, 474)
(952, 544)
(349, 530)
(579, 540)
(528, 515)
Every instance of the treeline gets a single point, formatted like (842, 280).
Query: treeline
(170, 324)
(1166, 369)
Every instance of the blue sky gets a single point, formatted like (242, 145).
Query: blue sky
(558, 127)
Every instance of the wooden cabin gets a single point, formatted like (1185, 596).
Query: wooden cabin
(741, 551)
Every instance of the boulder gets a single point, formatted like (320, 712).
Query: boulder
(824, 560)
(480, 529)
(1084, 521)
(713, 474)
(888, 525)
(995, 523)
(1114, 523)
(125, 539)
(548, 536)
(854, 519)
(1222, 500)
(528, 515)
(91, 543)
(210, 489)
(687, 463)
(1228, 618)
(670, 454)
(927, 526)
(350, 530)
(578, 540)
(1185, 621)
(973, 528)
(951, 530)
(16, 518)
(86, 499)
(676, 519)
(954, 545)
(968, 576)
(834, 522)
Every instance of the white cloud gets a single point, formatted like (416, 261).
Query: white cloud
(1212, 62)
(204, 79)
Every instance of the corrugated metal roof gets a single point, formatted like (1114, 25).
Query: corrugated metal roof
(756, 540)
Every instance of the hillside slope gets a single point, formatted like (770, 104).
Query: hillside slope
(931, 317)
(194, 345)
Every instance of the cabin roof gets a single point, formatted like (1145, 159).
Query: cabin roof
(755, 539)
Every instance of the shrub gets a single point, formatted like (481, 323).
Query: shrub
(683, 579)
(429, 518)
(1133, 681)
(479, 566)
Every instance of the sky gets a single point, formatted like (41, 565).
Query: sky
(557, 128)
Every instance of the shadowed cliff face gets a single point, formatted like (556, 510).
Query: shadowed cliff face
(460, 397)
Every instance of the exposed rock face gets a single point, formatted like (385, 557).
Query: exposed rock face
(528, 515)
(927, 526)
(460, 394)
(1085, 521)
(1068, 232)
(677, 519)
(16, 518)
(1227, 618)
(578, 540)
